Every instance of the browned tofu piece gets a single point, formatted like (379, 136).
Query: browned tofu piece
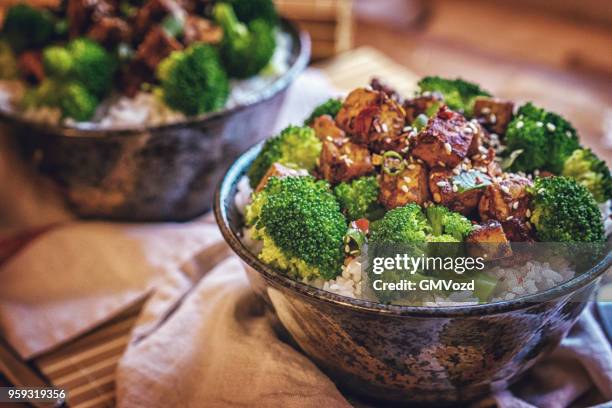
(443, 192)
(420, 105)
(486, 163)
(518, 230)
(409, 186)
(156, 46)
(493, 113)
(279, 170)
(506, 199)
(372, 118)
(343, 160)
(488, 241)
(326, 129)
(445, 140)
(31, 66)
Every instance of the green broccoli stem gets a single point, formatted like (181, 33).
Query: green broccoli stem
(226, 18)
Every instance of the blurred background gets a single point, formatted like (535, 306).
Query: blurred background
(555, 52)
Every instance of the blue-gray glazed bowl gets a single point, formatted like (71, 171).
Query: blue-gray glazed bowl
(152, 173)
(403, 354)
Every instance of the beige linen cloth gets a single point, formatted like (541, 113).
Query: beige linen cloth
(203, 339)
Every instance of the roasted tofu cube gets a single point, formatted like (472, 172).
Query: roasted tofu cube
(445, 140)
(488, 241)
(493, 113)
(443, 191)
(156, 46)
(110, 31)
(372, 118)
(279, 170)
(326, 129)
(408, 186)
(342, 160)
(506, 199)
(420, 105)
(485, 162)
(518, 230)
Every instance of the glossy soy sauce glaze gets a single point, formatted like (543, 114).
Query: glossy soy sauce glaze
(404, 354)
(157, 173)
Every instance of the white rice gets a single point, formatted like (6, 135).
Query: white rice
(147, 108)
(513, 282)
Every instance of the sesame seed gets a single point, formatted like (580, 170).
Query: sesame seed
(456, 171)
(515, 205)
(536, 172)
(385, 128)
(550, 127)
(485, 110)
(437, 197)
(468, 129)
(482, 150)
(441, 183)
(448, 148)
(407, 129)
(455, 188)
(441, 163)
(539, 124)
(329, 139)
(411, 166)
(407, 179)
(404, 188)
(492, 118)
(509, 218)
(476, 157)
(528, 213)
(387, 140)
(505, 189)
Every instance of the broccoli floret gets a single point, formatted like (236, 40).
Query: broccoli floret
(8, 62)
(565, 211)
(448, 223)
(546, 139)
(401, 225)
(58, 61)
(458, 94)
(71, 98)
(27, 27)
(193, 80)
(245, 49)
(77, 103)
(249, 10)
(92, 66)
(295, 147)
(329, 107)
(301, 226)
(359, 198)
(590, 171)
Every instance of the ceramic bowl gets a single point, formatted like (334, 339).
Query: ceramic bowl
(422, 355)
(153, 173)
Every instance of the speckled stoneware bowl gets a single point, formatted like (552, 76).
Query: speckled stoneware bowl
(433, 356)
(166, 172)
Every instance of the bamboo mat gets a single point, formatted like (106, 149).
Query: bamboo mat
(86, 367)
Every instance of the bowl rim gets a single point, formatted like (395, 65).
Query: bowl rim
(300, 53)
(224, 198)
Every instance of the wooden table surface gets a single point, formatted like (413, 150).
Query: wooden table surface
(515, 52)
